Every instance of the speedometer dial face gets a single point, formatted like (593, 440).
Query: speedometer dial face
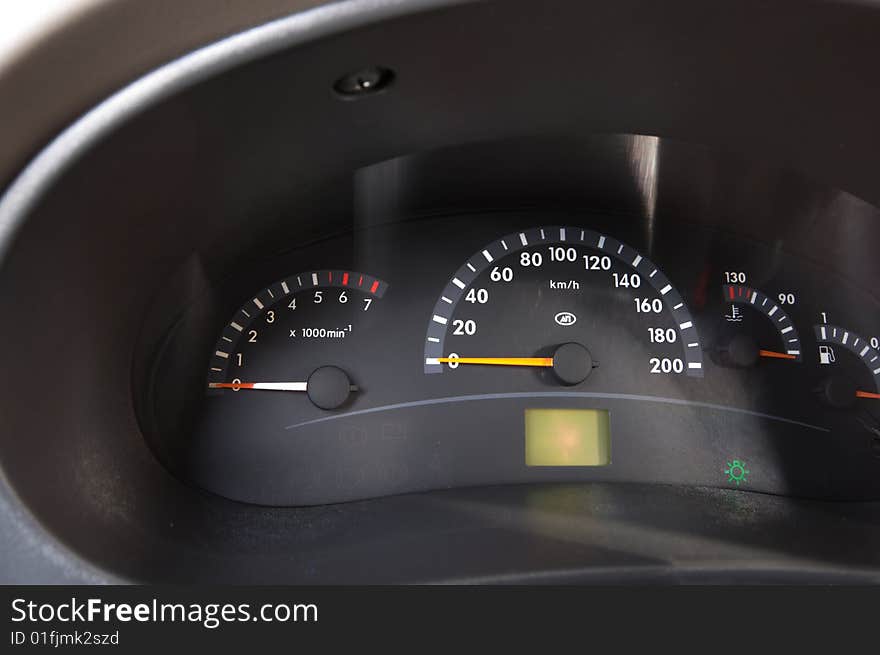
(557, 303)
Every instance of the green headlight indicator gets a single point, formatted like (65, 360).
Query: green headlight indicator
(736, 471)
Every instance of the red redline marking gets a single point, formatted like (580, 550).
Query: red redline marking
(374, 287)
(330, 277)
(345, 279)
(361, 281)
(731, 292)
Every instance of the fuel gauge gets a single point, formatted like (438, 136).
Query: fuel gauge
(851, 366)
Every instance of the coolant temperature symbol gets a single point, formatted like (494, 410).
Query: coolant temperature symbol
(735, 315)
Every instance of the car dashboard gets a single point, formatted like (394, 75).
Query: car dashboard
(457, 292)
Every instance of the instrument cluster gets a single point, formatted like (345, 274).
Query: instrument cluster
(513, 347)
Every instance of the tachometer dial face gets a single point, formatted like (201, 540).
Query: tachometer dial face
(292, 352)
(558, 303)
(294, 336)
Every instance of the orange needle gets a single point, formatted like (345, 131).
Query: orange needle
(867, 394)
(776, 355)
(499, 361)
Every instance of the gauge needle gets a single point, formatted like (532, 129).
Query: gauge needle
(499, 361)
(268, 386)
(867, 394)
(776, 355)
(328, 387)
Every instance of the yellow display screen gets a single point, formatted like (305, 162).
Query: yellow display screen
(568, 437)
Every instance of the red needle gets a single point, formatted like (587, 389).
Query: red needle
(867, 394)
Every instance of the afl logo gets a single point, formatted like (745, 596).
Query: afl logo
(565, 319)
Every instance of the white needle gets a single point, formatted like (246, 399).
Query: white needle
(268, 386)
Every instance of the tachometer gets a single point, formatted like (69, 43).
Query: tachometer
(296, 351)
(293, 336)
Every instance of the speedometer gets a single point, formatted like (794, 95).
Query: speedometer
(557, 303)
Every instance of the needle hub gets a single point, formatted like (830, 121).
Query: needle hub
(740, 352)
(328, 387)
(840, 393)
(572, 363)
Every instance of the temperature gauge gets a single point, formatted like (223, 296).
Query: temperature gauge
(744, 342)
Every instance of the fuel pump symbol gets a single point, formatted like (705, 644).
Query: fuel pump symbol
(826, 355)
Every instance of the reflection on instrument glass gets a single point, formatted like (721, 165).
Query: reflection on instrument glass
(567, 437)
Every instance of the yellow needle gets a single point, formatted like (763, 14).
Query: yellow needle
(499, 361)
